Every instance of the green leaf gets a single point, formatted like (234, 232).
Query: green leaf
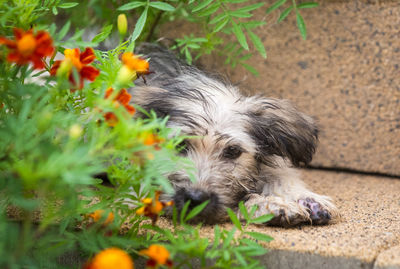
(262, 219)
(229, 237)
(217, 236)
(250, 69)
(210, 10)
(308, 5)
(253, 24)
(234, 219)
(218, 18)
(68, 5)
(220, 25)
(131, 5)
(301, 25)
(240, 35)
(54, 10)
(260, 236)
(188, 56)
(162, 6)
(243, 210)
(139, 25)
(183, 212)
(257, 44)
(275, 5)
(64, 30)
(226, 255)
(195, 211)
(285, 13)
(253, 210)
(199, 39)
(240, 258)
(202, 5)
(240, 14)
(250, 7)
(105, 32)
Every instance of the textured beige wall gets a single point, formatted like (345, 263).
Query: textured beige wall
(346, 74)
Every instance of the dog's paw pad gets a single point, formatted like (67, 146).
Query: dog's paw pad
(318, 214)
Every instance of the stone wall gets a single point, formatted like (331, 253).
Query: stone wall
(346, 74)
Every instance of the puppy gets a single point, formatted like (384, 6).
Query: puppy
(245, 148)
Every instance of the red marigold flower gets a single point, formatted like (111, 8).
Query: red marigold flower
(158, 255)
(122, 98)
(29, 47)
(80, 61)
(111, 258)
(152, 208)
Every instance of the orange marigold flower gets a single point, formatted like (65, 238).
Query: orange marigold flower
(152, 208)
(133, 67)
(122, 98)
(135, 63)
(80, 61)
(158, 255)
(29, 47)
(151, 139)
(111, 258)
(98, 214)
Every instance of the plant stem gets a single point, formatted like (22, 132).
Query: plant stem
(153, 26)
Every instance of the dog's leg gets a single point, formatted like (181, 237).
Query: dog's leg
(286, 196)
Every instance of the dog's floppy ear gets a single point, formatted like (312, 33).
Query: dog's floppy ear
(279, 129)
(152, 98)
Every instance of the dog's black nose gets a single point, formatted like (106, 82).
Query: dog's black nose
(196, 197)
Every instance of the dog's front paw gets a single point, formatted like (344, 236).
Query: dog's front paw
(318, 213)
(318, 210)
(286, 213)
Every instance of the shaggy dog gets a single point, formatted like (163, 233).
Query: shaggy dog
(245, 148)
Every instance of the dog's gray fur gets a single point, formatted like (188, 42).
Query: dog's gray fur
(246, 146)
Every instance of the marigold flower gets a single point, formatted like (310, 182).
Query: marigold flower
(111, 258)
(158, 255)
(29, 47)
(80, 61)
(152, 208)
(135, 63)
(98, 214)
(122, 98)
(150, 139)
(133, 67)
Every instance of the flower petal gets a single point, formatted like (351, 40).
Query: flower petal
(87, 56)
(37, 62)
(54, 68)
(11, 44)
(89, 72)
(44, 44)
(123, 97)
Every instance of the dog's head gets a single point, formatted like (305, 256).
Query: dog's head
(235, 137)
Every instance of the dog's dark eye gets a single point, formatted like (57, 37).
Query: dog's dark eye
(232, 152)
(183, 147)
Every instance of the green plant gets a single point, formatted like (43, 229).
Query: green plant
(57, 132)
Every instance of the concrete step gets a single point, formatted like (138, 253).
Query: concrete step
(367, 235)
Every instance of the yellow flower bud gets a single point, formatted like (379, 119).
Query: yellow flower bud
(122, 24)
(65, 68)
(75, 131)
(126, 75)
